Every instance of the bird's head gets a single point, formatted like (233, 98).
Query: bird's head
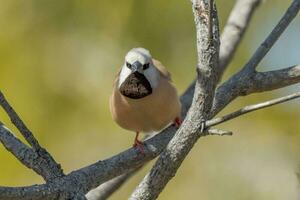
(138, 76)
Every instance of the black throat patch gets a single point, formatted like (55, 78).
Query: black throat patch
(136, 86)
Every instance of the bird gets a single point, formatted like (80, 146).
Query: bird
(144, 98)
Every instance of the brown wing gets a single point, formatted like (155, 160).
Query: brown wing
(164, 72)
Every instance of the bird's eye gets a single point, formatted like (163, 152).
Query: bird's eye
(146, 66)
(128, 65)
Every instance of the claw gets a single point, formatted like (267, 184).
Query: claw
(138, 144)
(177, 122)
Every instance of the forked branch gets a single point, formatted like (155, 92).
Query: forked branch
(207, 29)
(38, 158)
(75, 184)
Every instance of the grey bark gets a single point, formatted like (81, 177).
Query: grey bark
(165, 168)
(23, 153)
(251, 108)
(44, 165)
(234, 30)
(105, 190)
(267, 44)
(232, 35)
(76, 183)
(247, 76)
(242, 84)
(171, 158)
(53, 191)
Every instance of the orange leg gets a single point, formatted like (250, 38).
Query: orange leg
(177, 122)
(138, 144)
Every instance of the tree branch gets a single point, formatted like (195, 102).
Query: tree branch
(23, 153)
(102, 171)
(51, 191)
(265, 81)
(264, 48)
(105, 190)
(242, 84)
(251, 108)
(84, 179)
(218, 132)
(165, 168)
(168, 162)
(232, 35)
(15, 119)
(50, 169)
(34, 192)
(105, 170)
(234, 30)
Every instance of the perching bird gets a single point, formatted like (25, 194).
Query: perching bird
(144, 98)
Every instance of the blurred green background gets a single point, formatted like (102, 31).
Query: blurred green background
(58, 59)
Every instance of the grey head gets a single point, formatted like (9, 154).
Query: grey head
(138, 76)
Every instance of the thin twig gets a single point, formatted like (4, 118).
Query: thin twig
(251, 108)
(264, 48)
(16, 120)
(218, 132)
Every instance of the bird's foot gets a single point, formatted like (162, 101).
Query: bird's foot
(177, 122)
(139, 145)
